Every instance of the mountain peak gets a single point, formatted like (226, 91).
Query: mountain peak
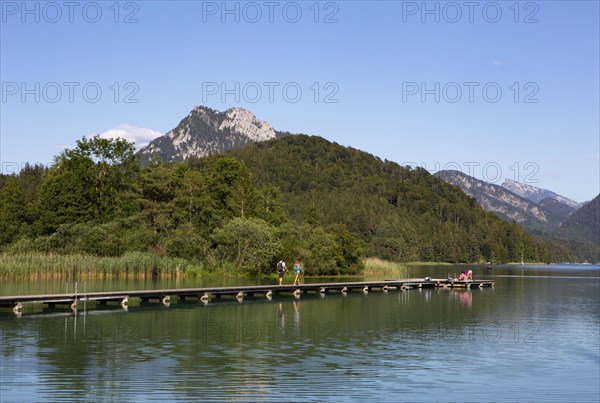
(205, 131)
(536, 194)
(244, 122)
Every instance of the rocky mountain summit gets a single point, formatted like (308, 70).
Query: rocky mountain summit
(205, 131)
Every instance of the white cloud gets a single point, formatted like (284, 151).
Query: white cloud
(498, 62)
(139, 135)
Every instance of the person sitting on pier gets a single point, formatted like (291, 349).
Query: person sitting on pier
(465, 275)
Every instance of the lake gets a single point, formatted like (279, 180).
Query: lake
(535, 336)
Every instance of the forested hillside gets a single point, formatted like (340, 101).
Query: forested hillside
(584, 224)
(296, 196)
(399, 213)
(96, 200)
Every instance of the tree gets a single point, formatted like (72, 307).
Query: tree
(269, 206)
(248, 242)
(229, 186)
(12, 210)
(88, 183)
(31, 177)
(187, 243)
(111, 163)
(192, 203)
(349, 251)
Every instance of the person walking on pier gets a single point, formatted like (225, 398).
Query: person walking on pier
(298, 271)
(281, 269)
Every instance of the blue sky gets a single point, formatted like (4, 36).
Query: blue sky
(498, 89)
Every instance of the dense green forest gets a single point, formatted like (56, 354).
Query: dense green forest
(399, 213)
(584, 224)
(297, 196)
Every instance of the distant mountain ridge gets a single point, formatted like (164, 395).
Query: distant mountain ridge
(501, 201)
(584, 224)
(545, 216)
(536, 194)
(205, 131)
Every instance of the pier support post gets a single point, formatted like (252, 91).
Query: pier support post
(165, 300)
(384, 288)
(297, 293)
(125, 302)
(366, 289)
(240, 296)
(204, 298)
(269, 295)
(322, 290)
(17, 308)
(344, 290)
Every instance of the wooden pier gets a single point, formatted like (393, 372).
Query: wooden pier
(207, 294)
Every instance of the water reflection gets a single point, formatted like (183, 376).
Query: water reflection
(529, 339)
(281, 318)
(297, 317)
(465, 297)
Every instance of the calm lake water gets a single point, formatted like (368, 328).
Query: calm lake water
(535, 336)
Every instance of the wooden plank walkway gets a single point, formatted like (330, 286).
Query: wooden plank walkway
(206, 294)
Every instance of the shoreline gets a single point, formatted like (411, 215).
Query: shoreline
(145, 265)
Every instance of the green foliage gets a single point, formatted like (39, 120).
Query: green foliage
(583, 224)
(88, 183)
(400, 214)
(323, 251)
(12, 210)
(186, 242)
(30, 178)
(314, 247)
(294, 197)
(269, 206)
(349, 252)
(249, 242)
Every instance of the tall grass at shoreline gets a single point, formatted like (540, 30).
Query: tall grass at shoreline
(38, 265)
(376, 267)
(133, 264)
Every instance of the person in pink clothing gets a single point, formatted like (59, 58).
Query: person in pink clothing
(465, 275)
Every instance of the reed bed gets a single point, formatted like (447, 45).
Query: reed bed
(133, 264)
(379, 267)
